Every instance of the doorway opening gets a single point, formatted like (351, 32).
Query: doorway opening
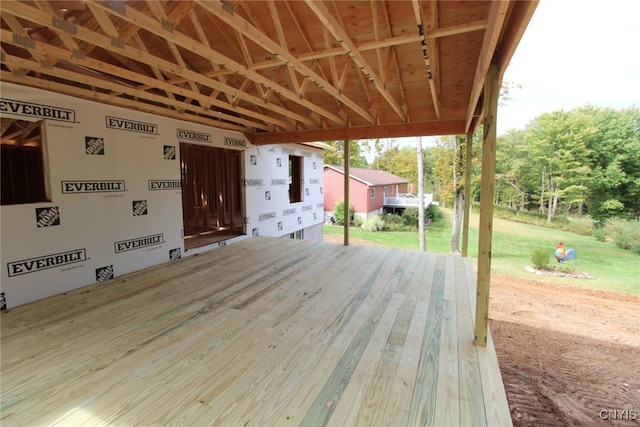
(212, 194)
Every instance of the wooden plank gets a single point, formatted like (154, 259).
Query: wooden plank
(424, 393)
(447, 392)
(307, 331)
(495, 397)
(126, 342)
(398, 406)
(353, 342)
(346, 412)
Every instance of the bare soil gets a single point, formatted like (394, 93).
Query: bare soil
(569, 356)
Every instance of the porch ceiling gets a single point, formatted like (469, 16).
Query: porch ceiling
(278, 71)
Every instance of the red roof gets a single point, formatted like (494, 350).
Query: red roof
(370, 177)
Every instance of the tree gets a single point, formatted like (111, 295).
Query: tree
(558, 142)
(615, 162)
(459, 148)
(336, 158)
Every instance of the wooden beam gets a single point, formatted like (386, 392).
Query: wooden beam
(417, 11)
(342, 37)
(445, 127)
(467, 195)
(497, 14)
(287, 58)
(518, 20)
(153, 25)
(121, 102)
(94, 38)
(347, 220)
(458, 29)
(491, 92)
(101, 67)
(273, 11)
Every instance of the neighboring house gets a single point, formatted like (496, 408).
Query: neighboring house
(367, 192)
(92, 191)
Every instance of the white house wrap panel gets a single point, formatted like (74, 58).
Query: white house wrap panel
(114, 183)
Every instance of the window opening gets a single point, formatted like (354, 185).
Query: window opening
(295, 179)
(23, 165)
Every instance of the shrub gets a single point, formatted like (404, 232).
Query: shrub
(338, 212)
(581, 225)
(374, 223)
(540, 259)
(624, 233)
(566, 267)
(394, 222)
(433, 213)
(411, 216)
(600, 234)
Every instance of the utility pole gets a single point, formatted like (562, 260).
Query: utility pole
(423, 243)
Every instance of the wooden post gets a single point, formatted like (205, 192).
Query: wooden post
(467, 196)
(346, 192)
(485, 228)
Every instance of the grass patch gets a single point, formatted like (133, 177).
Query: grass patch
(613, 268)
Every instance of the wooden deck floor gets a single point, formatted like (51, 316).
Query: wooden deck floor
(261, 332)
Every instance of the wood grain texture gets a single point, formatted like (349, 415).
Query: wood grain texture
(262, 332)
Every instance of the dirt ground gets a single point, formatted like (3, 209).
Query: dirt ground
(569, 356)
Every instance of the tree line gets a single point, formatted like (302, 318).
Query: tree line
(585, 161)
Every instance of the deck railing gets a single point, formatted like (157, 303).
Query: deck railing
(408, 201)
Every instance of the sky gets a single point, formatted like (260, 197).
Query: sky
(573, 53)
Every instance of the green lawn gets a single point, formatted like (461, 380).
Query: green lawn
(613, 268)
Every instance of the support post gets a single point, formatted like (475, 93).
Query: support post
(485, 227)
(467, 196)
(346, 192)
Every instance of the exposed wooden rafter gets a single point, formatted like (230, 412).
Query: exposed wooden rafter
(350, 48)
(274, 69)
(497, 15)
(417, 10)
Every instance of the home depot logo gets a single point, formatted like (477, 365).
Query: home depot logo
(104, 273)
(37, 110)
(175, 254)
(193, 135)
(131, 125)
(94, 145)
(45, 262)
(139, 207)
(47, 217)
(138, 242)
(169, 152)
